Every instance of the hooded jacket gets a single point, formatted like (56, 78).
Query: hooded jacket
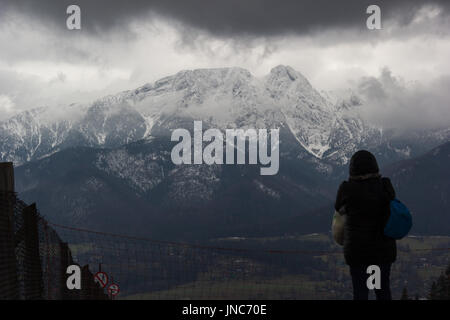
(364, 199)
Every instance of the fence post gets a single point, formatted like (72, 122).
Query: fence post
(86, 284)
(8, 265)
(90, 290)
(33, 285)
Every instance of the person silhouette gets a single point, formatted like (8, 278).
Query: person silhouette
(364, 200)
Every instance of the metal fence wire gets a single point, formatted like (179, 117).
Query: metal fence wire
(33, 258)
(146, 268)
(8, 263)
(35, 254)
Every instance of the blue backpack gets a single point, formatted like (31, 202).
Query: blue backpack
(399, 222)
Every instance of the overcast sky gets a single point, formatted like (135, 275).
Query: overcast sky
(402, 69)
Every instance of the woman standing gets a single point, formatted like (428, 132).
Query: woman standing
(364, 200)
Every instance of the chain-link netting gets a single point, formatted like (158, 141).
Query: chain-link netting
(36, 253)
(145, 268)
(33, 258)
(8, 265)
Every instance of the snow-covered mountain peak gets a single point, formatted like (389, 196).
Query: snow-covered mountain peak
(282, 77)
(325, 125)
(282, 71)
(201, 79)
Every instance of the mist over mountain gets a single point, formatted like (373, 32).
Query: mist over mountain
(107, 164)
(326, 127)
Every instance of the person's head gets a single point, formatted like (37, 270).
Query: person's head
(363, 163)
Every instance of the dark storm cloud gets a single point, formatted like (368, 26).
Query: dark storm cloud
(228, 17)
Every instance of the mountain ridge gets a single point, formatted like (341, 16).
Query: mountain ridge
(223, 97)
(107, 165)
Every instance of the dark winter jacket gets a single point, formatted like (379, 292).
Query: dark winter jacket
(364, 199)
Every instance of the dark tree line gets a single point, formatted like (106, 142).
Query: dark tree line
(440, 289)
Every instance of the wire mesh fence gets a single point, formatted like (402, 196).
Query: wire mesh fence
(145, 268)
(36, 253)
(8, 265)
(34, 259)
(151, 269)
